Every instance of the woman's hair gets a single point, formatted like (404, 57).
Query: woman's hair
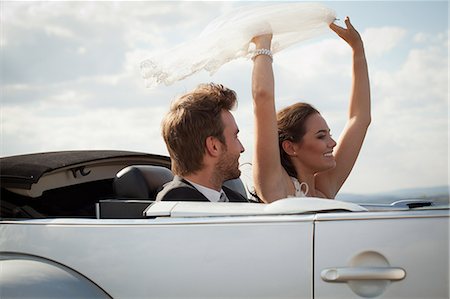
(192, 118)
(292, 126)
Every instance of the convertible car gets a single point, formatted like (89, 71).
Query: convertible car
(84, 224)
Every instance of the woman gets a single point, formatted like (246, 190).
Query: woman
(295, 154)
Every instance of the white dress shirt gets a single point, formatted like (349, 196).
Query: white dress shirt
(211, 194)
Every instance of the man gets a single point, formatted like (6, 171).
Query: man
(201, 136)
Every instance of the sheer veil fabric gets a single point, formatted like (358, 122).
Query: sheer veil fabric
(228, 37)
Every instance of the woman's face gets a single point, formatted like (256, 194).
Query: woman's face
(315, 150)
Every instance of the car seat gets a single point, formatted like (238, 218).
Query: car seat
(145, 181)
(141, 181)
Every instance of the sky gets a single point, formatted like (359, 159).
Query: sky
(70, 79)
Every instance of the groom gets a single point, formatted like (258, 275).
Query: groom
(201, 136)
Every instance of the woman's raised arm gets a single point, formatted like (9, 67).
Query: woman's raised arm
(359, 118)
(268, 174)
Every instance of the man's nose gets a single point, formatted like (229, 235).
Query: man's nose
(242, 147)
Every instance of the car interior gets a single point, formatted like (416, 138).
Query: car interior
(124, 194)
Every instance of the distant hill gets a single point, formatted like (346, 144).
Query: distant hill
(437, 194)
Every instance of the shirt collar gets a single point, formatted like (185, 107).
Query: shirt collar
(211, 194)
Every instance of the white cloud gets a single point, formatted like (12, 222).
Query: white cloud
(421, 80)
(381, 40)
(105, 128)
(318, 73)
(58, 31)
(421, 37)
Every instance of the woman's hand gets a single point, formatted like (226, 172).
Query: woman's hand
(262, 41)
(350, 35)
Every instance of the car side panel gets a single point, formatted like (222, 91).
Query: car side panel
(229, 258)
(419, 246)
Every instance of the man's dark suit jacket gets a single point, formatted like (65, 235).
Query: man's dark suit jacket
(181, 190)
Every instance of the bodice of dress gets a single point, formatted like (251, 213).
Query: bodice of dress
(298, 188)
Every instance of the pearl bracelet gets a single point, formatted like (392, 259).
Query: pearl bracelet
(262, 52)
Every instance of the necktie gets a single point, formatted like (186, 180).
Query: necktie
(223, 197)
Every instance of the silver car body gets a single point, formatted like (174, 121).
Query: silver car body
(292, 248)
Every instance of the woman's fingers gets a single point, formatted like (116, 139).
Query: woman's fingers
(338, 29)
(349, 24)
(349, 34)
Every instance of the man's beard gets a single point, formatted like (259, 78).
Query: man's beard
(228, 167)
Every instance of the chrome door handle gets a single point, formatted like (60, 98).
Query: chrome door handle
(362, 273)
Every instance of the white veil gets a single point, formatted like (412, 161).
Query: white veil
(228, 37)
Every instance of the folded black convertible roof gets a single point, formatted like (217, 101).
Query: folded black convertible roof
(24, 170)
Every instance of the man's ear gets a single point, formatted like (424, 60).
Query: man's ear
(289, 147)
(212, 146)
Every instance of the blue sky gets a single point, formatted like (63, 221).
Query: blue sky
(70, 79)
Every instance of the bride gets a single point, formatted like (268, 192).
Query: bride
(295, 154)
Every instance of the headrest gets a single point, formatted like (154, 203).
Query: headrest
(141, 181)
(236, 185)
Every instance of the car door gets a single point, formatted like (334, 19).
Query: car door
(382, 255)
(170, 257)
